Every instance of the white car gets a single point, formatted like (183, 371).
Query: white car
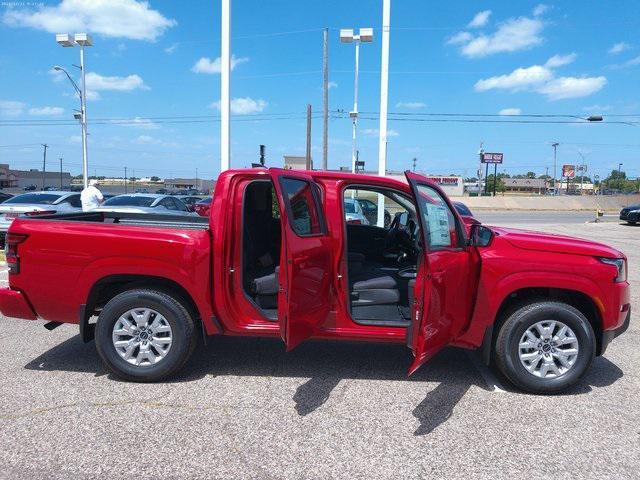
(145, 203)
(353, 213)
(37, 202)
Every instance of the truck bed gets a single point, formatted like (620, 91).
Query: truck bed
(139, 219)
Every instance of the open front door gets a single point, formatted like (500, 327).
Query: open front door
(304, 298)
(442, 296)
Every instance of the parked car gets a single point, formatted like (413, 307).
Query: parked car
(29, 188)
(189, 201)
(277, 258)
(370, 211)
(36, 203)
(5, 196)
(144, 203)
(353, 212)
(630, 214)
(162, 191)
(202, 207)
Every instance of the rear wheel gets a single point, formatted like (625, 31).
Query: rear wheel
(545, 347)
(144, 335)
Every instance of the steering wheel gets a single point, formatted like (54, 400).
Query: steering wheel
(397, 237)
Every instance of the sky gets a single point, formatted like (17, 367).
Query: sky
(153, 84)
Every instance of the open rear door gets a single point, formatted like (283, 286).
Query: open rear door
(304, 299)
(442, 272)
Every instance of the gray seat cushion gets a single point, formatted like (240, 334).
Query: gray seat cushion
(376, 283)
(267, 285)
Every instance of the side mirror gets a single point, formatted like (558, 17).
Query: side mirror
(480, 236)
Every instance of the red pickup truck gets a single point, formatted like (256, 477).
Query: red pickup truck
(276, 258)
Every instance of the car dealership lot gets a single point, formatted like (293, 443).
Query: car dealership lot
(243, 408)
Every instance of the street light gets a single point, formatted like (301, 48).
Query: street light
(83, 40)
(347, 35)
(555, 181)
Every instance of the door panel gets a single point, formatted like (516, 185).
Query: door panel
(366, 239)
(444, 285)
(304, 296)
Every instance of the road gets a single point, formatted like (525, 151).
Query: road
(492, 217)
(243, 408)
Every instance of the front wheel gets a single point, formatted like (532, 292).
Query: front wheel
(545, 347)
(630, 222)
(144, 335)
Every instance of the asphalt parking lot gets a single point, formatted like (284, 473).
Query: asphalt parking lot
(244, 408)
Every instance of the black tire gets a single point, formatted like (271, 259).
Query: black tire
(631, 223)
(182, 329)
(511, 331)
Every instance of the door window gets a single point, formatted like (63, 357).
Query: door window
(303, 208)
(437, 218)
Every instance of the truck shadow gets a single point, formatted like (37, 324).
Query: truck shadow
(325, 364)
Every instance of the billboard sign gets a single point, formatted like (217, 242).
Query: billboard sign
(569, 171)
(488, 157)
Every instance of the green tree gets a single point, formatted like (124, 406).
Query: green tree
(155, 179)
(500, 185)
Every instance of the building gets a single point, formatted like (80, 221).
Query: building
(199, 184)
(20, 179)
(292, 162)
(577, 188)
(537, 186)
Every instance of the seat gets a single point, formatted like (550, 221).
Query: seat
(373, 287)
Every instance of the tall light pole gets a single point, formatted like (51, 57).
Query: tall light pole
(384, 95)
(82, 40)
(225, 78)
(555, 181)
(347, 36)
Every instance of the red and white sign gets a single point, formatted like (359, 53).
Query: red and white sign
(488, 157)
(568, 171)
(445, 181)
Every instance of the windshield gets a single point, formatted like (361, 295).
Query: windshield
(129, 201)
(206, 201)
(37, 198)
(349, 207)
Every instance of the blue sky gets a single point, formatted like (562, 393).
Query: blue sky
(158, 59)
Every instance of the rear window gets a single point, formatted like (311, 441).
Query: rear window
(37, 198)
(129, 201)
(349, 207)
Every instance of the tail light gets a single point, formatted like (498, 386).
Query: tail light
(11, 250)
(36, 213)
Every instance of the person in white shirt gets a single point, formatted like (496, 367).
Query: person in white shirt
(91, 197)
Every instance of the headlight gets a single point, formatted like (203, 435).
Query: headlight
(621, 266)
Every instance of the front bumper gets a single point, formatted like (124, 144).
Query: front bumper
(609, 335)
(14, 304)
(633, 216)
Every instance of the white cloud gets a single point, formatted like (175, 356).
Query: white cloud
(459, 38)
(541, 79)
(46, 111)
(146, 139)
(411, 105)
(171, 48)
(633, 61)
(519, 79)
(560, 60)
(619, 48)
(11, 107)
(111, 18)
(244, 106)
(540, 10)
(510, 111)
(480, 19)
(374, 132)
(97, 83)
(331, 85)
(206, 65)
(511, 36)
(137, 122)
(572, 87)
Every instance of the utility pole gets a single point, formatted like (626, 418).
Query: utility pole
(480, 153)
(308, 156)
(414, 164)
(44, 163)
(555, 186)
(325, 98)
(225, 76)
(262, 152)
(197, 188)
(125, 179)
(60, 172)
(384, 101)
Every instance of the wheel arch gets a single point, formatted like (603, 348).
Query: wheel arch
(108, 287)
(524, 296)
